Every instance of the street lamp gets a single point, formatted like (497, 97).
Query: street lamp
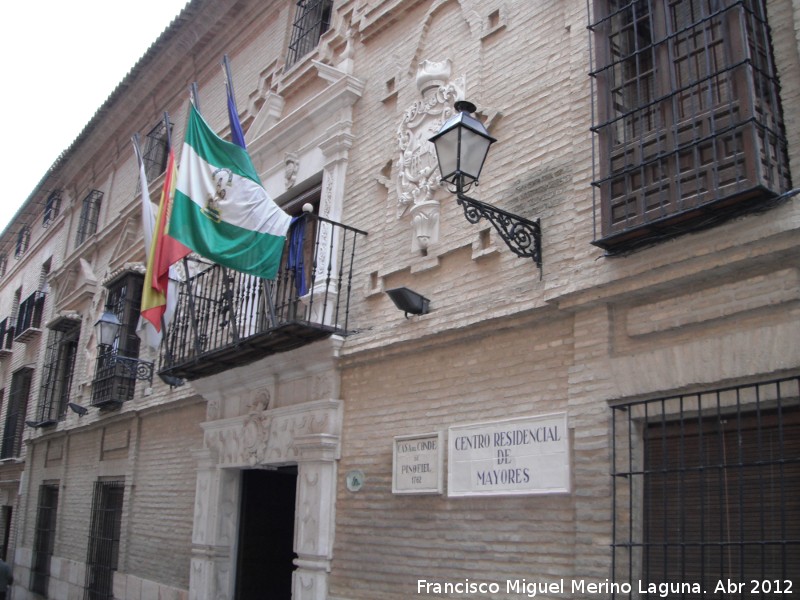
(461, 145)
(107, 329)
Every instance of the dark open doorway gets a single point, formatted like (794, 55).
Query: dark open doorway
(264, 564)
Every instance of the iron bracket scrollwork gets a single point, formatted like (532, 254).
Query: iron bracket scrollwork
(138, 369)
(522, 236)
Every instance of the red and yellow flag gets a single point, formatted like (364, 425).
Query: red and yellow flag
(164, 251)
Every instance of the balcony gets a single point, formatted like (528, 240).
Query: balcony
(29, 318)
(225, 319)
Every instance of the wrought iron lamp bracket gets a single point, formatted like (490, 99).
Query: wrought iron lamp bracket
(521, 235)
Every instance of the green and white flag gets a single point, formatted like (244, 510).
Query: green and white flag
(221, 210)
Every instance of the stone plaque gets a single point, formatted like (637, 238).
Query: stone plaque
(417, 464)
(529, 455)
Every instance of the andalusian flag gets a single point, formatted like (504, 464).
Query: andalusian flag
(221, 210)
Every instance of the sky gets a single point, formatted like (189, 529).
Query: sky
(62, 61)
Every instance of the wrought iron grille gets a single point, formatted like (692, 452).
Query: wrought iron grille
(90, 215)
(6, 335)
(58, 368)
(312, 19)
(226, 319)
(114, 380)
(706, 488)
(51, 208)
(44, 538)
(29, 315)
(156, 151)
(103, 554)
(15, 414)
(23, 241)
(687, 117)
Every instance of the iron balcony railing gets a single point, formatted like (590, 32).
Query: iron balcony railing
(226, 319)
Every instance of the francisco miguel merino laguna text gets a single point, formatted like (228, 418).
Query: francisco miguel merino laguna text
(531, 589)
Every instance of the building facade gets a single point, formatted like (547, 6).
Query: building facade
(599, 395)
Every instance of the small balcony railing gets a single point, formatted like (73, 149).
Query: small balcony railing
(225, 319)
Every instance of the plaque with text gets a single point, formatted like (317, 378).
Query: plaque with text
(417, 464)
(528, 455)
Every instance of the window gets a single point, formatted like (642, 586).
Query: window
(3, 264)
(156, 151)
(114, 381)
(103, 555)
(52, 207)
(23, 240)
(15, 415)
(29, 317)
(688, 122)
(59, 365)
(90, 215)
(311, 20)
(44, 539)
(706, 486)
(6, 336)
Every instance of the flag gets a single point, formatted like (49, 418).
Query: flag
(159, 293)
(167, 250)
(146, 331)
(237, 135)
(220, 209)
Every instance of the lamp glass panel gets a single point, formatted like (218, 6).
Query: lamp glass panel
(447, 152)
(474, 148)
(107, 329)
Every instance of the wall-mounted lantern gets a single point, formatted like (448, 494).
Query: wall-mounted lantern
(461, 145)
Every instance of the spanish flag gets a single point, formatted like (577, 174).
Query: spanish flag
(163, 252)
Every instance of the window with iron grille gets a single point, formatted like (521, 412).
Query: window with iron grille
(90, 215)
(3, 264)
(44, 538)
(156, 151)
(15, 415)
(6, 335)
(23, 241)
(52, 206)
(687, 117)
(103, 554)
(29, 316)
(706, 486)
(312, 19)
(114, 383)
(6, 521)
(57, 371)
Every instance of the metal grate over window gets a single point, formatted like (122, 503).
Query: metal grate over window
(706, 488)
(114, 383)
(156, 151)
(52, 207)
(90, 215)
(312, 19)
(45, 537)
(15, 415)
(103, 555)
(57, 372)
(687, 116)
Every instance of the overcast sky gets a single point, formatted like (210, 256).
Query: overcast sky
(61, 62)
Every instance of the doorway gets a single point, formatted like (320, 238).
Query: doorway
(265, 558)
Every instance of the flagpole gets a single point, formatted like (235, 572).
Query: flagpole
(226, 65)
(169, 131)
(195, 96)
